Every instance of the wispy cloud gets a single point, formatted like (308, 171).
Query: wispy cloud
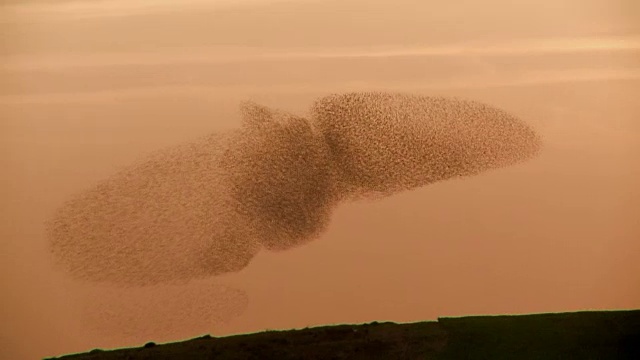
(202, 55)
(531, 78)
(113, 8)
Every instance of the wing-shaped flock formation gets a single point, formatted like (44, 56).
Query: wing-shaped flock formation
(206, 208)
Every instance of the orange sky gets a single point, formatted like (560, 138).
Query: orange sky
(87, 89)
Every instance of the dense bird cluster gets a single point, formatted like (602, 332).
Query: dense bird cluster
(167, 218)
(281, 177)
(206, 208)
(382, 143)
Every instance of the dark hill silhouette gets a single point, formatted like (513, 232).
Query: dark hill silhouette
(580, 335)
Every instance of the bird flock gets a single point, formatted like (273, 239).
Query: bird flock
(207, 207)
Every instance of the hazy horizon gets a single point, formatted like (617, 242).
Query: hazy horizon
(89, 87)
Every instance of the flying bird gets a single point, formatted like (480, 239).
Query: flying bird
(207, 207)
(381, 143)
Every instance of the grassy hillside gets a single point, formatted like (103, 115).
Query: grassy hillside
(581, 335)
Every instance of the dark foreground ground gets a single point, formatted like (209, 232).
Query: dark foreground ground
(581, 335)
